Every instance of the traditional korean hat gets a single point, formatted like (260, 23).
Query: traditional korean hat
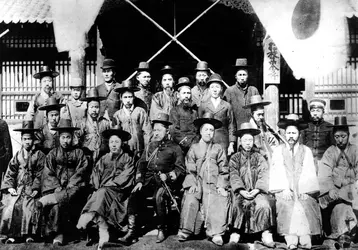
(208, 117)
(166, 70)
(162, 118)
(215, 78)
(183, 81)
(45, 71)
(241, 63)
(126, 85)
(51, 104)
(340, 122)
(93, 95)
(143, 66)
(65, 125)
(125, 136)
(247, 128)
(256, 100)
(27, 127)
(292, 120)
(202, 66)
(76, 83)
(108, 64)
(317, 103)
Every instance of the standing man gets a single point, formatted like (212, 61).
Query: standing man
(111, 103)
(143, 77)
(5, 147)
(183, 130)
(200, 91)
(46, 77)
(294, 182)
(239, 94)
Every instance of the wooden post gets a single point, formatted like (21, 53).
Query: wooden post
(78, 66)
(100, 58)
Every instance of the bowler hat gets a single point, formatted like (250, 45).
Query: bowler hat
(108, 64)
(125, 136)
(65, 125)
(217, 79)
(76, 83)
(340, 122)
(167, 70)
(292, 120)
(162, 118)
(27, 126)
(143, 66)
(93, 95)
(256, 100)
(183, 81)
(51, 104)
(208, 117)
(202, 66)
(247, 128)
(45, 71)
(127, 85)
(241, 63)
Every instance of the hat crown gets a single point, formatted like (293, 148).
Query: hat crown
(292, 117)
(246, 125)
(108, 63)
(51, 101)
(64, 123)
(208, 115)
(202, 65)
(163, 117)
(143, 65)
(45, 68)
(340, 121)
(166, 68)
(92, 93)
(127, 84)
(183, 80)
(215, 78)
(76, 82)
(241, 62)
(27, 124)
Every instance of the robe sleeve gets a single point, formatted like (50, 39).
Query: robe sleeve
(80, 176)
(95, 176)
(191, 169)
(31, 110)
(65, 111)
(325, 171)
(277, 180)
(223, 178)
(263, 174)
(175, 127)
(141, 167)
(232, 124)
(308, 183)
(155, 108)
(10, 178)
(40, 163)
(50, 180)
(147, 128)
(179, 165)
(236, 181)
(124, 179)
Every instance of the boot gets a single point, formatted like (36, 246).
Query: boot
(161, 236)
(305, 242)
(130, 236)
(84, 219)
(267, 240)
(103, 234)
(291, 241)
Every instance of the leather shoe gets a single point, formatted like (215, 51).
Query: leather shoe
(160, 236)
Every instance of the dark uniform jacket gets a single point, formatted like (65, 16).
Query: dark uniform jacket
(112, 103)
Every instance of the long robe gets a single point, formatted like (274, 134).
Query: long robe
(207, 169)
(5, 147)
(248, 171)
(162, 103)
(295, 173)
(338, 171)
(47, 139)
(24, 175)
(146, 96)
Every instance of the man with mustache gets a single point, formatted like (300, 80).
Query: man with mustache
(200, 91)
(143, 77)
(337, 173)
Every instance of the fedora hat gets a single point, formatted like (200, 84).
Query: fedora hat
(51, 104)
(241, 63)
(247, 128)
(256, 100)
(125, 136)
(127, 85)
(76, 83)
(27, 126)
(340, 122)
(167, 70)
(143, 66)
(162, 118)
(217, 79)
(45, 71)
(208, 117)
(202, 66)
(93, 95)
(65, 125)
(292, 120)
(108, 64)
(183, 81)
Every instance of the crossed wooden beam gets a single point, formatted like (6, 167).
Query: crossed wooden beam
(173, 37)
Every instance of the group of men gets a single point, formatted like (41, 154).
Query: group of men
(96, 162)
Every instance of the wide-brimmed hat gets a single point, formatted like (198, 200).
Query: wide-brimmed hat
(108, 64)
(93, 95)
(292, 120)
(45, 71)
(166, 70)
(340, 122)
(215, 78)
(162, 118)
(27, 127)
(202, 66)
(247, 128)
(51, 104)
(317, 103)
(65, 125)
(76, 83)
(208, 117)
(241, 63)
(143, 66)
(256, 100)
(127, 85)
(124, 135)
(183, 81)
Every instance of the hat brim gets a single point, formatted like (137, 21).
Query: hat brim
(220, 82)
(26, 130)
(199, 69)
(60, 129)
(124, 89)
(52, 74)
(200, 121)
(162, 122)
(263, 103)
(143, 69)
(300, 124)
(108, 67)
(340, 126)
(90, 99)
(251, 131)
(76, 86)
(123, 135)
(52, 107)
(179, 85)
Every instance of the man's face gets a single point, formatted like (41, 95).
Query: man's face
(47, 84)
(316, 114)
(247, 142)
(115, 144)
(201, 77)
(27, 141)
(341, 138)
(65, 139)
(144, 78)
(167, 81)
(185, 94)
(241, 77)
(76, 92)
(259, 115)
(207, 132)
(215, 89)
(159, 131)
(93, 109)
(127, 99)
(53, 117)
(292, 135)
(108, 75)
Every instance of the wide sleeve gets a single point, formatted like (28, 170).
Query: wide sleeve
(191, 169)
(232, 124)
(325, 170)
(124, 178)
(146, 127)
(81, 174)
(277, 178)
(223, 178)
(308, 183)
(10, 177)
(31, 110)
(95, 179)
(263, 174)
(40, 164)
(50, 179)
(236, 181)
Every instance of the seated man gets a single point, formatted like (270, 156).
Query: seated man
(249, 178)
(295, 184)
(112, 179)
(337, 173)
(161, 165)
(206, 198)
(64, 178)
(21, 186)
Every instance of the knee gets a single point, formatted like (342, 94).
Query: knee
(263, 205)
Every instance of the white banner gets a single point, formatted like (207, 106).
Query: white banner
(272, 62)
